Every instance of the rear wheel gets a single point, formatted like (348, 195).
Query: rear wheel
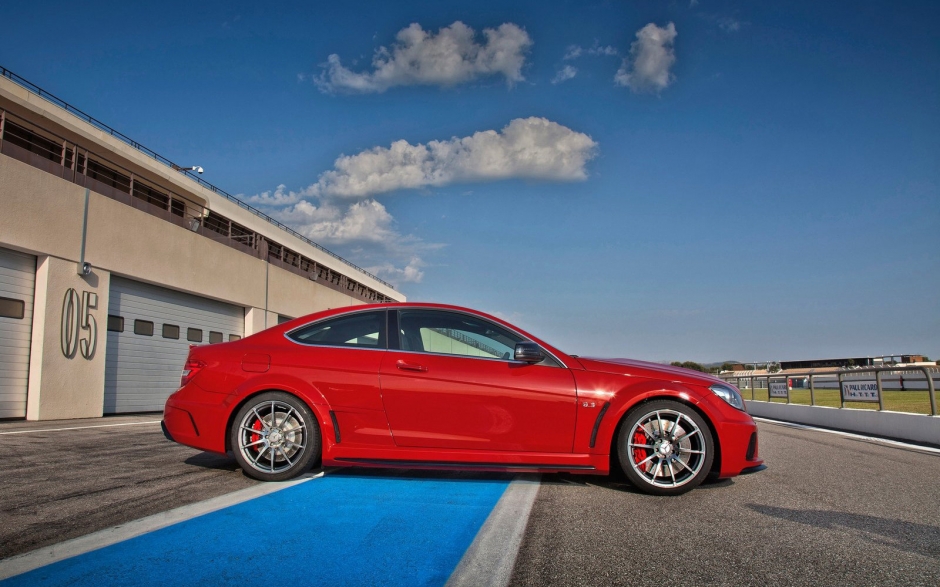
(665, 448)
(275, 437)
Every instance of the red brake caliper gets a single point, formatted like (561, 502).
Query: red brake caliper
(256, 437)
(639, 454)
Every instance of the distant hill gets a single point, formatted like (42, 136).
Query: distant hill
(718, 363)
(706, 365)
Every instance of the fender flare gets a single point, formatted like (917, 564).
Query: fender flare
(631, 397)
(303, 391)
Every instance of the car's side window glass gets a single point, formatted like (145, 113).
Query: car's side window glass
(363, 329)
(451, 333)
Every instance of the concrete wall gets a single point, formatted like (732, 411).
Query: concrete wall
(43, 214)
(32, 107)
(902, 426)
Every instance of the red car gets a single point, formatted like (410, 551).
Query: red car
(429, 385)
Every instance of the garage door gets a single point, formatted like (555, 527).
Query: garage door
(17, 284)
(150, 329)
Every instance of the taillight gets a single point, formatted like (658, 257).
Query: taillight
(190, 369)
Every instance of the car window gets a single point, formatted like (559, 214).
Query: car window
(363, 329)
(451, 333)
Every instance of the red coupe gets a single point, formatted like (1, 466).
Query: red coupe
(428, 386)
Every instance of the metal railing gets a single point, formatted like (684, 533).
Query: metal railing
(836, 379)
(26, 84)
(41, 148)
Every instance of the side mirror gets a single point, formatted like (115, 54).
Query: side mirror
(528, 352)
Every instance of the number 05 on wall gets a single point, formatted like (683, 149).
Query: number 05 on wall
(79, 327)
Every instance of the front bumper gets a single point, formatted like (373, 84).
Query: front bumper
(739, 449)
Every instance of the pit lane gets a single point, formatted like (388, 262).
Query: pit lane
(828, 510)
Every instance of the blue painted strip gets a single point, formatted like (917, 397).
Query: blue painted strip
(359, 528)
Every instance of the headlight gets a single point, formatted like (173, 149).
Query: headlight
(729, 394)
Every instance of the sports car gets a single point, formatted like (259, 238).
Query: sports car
(410, 385)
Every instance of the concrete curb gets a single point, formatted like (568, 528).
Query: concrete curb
(900, 425)
(490, 559)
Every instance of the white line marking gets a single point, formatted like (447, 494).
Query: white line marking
(80, 427)
(29, 561)
(492, 555)
(895, 443)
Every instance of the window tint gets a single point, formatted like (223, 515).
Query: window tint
(363, 329)
(193, 335)
(115, 323)
(171, 331)
(215, 337)
(451, 333)
(10, 308)
(143, 327)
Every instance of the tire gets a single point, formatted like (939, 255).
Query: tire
(278, 448)
(670, 464)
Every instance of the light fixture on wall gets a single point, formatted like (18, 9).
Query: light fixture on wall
(195, 168)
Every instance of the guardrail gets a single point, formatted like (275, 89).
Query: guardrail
(859, 387)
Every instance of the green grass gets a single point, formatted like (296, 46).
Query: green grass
(915, 402)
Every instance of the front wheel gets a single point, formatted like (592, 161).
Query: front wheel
(275, 437)
(665, 448)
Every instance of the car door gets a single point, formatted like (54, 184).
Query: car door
(451, 384)
(341, 358)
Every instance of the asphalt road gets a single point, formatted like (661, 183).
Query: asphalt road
(828, 510)
(59, 484)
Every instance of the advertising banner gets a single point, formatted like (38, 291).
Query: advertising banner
(860, 391)
(778, 389)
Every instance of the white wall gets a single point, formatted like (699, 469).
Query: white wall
(902, 426)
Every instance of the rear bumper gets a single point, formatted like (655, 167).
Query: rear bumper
(166, 432)
(196, 418)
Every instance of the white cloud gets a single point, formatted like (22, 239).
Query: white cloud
(362, 222)
(419, 57)
(564, 74)
(533, 148)
(365, 230)
(729, 24)
(607, 50)
(280, 197)
(575, 51)
(646, 69)
(410, 273)
(340, 212)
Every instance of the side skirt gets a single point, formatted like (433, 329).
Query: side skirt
(464, 465)
(344, 455)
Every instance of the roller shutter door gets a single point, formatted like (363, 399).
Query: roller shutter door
(144, 361)
(17, 284)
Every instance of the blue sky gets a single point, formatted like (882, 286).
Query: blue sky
(683, 181)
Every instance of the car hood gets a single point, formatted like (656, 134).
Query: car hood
(647, 369)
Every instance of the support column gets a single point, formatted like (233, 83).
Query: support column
(255, 320)
(67, 353)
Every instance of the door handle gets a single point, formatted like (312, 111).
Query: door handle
(405, 366)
